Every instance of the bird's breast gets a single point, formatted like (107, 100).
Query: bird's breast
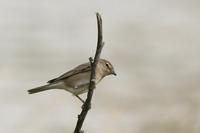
(80, 80)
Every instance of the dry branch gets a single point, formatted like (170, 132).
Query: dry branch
(87, 105)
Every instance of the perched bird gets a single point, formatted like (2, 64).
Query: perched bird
(77, 80)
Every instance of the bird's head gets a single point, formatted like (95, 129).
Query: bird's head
(107, 67)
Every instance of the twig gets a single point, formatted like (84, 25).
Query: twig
(87, 105)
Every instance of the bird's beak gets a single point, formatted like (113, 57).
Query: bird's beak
(114, 73)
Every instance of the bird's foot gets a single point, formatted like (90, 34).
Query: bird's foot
(86, 106)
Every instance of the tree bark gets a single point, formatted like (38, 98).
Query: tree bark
(87, 105)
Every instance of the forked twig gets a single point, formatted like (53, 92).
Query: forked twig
(87, 105)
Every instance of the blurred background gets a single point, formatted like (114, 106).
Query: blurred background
(153, 44)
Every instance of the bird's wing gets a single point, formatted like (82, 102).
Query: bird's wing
(79, 69)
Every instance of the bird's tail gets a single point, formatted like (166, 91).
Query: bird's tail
(40, 89)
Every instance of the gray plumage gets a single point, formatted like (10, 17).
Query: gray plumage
(77, 80)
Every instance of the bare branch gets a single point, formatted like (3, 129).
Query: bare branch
(87, 105)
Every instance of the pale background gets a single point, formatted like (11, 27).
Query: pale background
(153, 44)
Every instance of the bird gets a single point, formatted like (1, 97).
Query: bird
(77, 80)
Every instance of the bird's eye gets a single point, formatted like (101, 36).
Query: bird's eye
(107, 65)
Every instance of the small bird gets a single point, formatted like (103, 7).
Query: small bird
(77, 80)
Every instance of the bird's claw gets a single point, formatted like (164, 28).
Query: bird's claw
(86, 106)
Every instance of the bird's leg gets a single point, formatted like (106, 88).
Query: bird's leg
(80, 99)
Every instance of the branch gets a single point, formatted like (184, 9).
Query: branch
(87, 105)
